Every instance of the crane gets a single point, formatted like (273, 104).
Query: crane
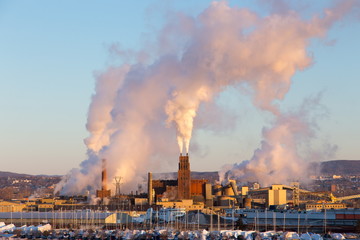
(331, 196)
(339, 199)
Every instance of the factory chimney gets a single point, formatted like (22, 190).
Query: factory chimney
(104, 192)
(184, 179)
(103, 175)
(150, 189)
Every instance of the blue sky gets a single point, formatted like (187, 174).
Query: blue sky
(50, 50)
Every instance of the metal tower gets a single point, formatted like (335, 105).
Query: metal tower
(296, 193)
(117, 185)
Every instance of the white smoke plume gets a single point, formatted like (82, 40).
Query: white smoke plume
(281, 157)
(182, 110)
(102, 103)
(193, 60)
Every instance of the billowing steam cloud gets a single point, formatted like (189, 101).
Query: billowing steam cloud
(182, 110)
(193, 60)
(278, 160)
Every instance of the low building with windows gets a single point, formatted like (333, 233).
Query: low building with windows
(318, 206)
(6, 206)
(186, 204)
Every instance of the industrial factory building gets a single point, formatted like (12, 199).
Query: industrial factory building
(193, 194)
(6, 206)
(199, 194)
(184, 188)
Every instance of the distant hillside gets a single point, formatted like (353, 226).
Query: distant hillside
(22, 175)
(340, 167)
(211, 176)
(11, 174)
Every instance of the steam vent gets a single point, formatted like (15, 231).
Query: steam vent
(184, 180)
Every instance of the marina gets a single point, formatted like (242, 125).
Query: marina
(171, 223)
(45, 232)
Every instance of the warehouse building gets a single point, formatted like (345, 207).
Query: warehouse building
(61, 219)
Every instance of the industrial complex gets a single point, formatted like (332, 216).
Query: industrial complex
(183, 199)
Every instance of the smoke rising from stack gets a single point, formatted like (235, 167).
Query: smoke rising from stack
(281, 157)
(135, 106)
(181, 110)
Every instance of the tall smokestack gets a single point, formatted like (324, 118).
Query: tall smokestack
(150, 197)
(103, 175)
(103, 193)
(184, 179)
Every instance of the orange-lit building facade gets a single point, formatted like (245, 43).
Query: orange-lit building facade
(198, 187)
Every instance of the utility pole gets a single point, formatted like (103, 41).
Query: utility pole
(117, 185)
